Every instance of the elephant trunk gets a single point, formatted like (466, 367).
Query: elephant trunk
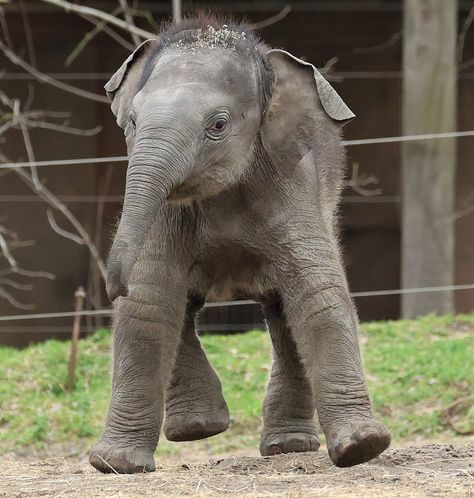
(152, 174)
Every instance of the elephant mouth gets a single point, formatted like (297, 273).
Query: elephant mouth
(185, 192)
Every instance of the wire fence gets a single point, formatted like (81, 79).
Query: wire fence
(118, 159)
(114, 199)
(333, 75)
(109, 311)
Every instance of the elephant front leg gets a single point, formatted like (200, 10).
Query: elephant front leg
(324, 322)
(195, 406)
(145, 340)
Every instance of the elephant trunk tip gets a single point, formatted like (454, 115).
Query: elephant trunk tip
(116, 289)
(117, 270)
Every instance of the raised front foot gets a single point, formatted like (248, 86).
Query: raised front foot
(110, 458)
(191, 426)
(357, 442)
(288, 442)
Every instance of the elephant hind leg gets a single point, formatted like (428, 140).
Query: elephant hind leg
(195, 406)
(288, 409)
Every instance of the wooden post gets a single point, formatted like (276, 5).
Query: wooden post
(76, 331)
(428, 173)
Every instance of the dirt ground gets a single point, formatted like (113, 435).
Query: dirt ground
(432, 470)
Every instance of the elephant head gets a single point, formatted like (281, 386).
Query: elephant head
(194, 103)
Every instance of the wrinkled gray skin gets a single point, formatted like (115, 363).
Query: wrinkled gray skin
(246, 211)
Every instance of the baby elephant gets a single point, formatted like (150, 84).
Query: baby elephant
(235, 171)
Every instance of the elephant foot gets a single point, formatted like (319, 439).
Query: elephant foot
(109, 458)
(193, 426)
(275, 443)
(357, 443)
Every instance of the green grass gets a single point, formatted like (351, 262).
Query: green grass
(416, 370)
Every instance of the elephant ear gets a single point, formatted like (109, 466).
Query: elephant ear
(301, 105)
(122, 86)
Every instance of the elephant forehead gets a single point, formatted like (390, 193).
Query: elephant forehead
(217, 68)
(181, 100)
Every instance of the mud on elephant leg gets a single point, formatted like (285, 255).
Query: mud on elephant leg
(146, 336)
(195, 406)
(288, 409)
(325, 328)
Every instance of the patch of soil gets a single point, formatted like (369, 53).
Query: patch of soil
(417, 471)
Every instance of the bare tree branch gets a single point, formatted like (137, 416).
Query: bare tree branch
(60, 231)
(28, 145)
(462, 35)
(82, 9)
(33, 181)
(327, 69)
(272, 20)
(129, 20)
(146, 15)
(28, 35)
(90, 35)
(393, 40)
(358, 183)
(54, 202)
(62, 128)
(33, 120)
(30, 99)
(44, 78)
(6, 247)
(26, 273)
(5, 31)
(15, 285)
(14, 302)
(113, 34)
(6, 252)
(8, 233)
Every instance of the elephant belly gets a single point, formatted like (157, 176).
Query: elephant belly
(232, 274)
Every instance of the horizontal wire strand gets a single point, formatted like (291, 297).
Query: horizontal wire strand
(246, 302)
(350, 199)
(117, 159)
(333, 75)
(409, 138)
(99, 160)
(65, 162)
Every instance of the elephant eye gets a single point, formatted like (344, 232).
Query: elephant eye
(217, 126)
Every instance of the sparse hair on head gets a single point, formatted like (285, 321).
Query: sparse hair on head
(211, 31)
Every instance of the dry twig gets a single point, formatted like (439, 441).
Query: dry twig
(129, 20)
(9, 240)
(33, 181)
(273, 19)
(393, 40)
(462, 38)
(357, 182)
(90, 35)
(99, 14)
(44, 78)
